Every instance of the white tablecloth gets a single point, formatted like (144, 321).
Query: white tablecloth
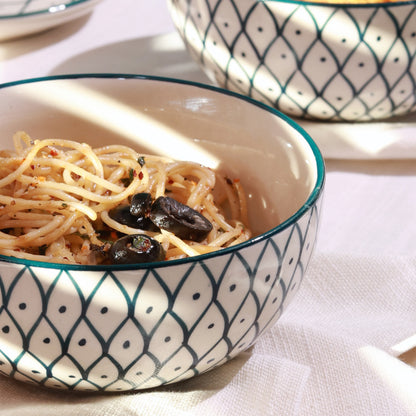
(344, 346)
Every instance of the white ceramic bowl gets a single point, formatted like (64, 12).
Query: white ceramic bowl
(26, 17)
(349, 62)
(112, 328)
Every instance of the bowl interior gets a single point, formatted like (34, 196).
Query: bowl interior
(248, 141)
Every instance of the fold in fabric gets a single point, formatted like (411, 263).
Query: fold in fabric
(349, 314)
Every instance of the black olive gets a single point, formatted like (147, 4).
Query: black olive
(179, 219)
(136, 248)
(140, 204)
(147, 224)
(122, 214)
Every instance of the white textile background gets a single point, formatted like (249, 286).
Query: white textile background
(336, 350)
(332, 353)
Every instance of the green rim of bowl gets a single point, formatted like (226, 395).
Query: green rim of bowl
(374, 4)
(52, 10)
(309, 203)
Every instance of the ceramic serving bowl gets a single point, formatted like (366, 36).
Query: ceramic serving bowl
(124, 327)
(26, 17)
(349, 62)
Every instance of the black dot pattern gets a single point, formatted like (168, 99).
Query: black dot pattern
(310, 46)
(199, 320)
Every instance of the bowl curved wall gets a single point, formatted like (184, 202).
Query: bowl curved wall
(116, 328)
(338, 62)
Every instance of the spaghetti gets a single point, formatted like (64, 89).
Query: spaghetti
(56, 197)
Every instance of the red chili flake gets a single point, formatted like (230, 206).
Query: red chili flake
(236, 180)
(53, 152)
(32, 167)
(170, 181)
(141, 175)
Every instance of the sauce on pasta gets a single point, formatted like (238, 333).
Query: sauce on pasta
(56, 197)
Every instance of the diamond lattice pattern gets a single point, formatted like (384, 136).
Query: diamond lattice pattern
(335, 63)
(126, 330)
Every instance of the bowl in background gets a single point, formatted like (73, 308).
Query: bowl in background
(26, 17)
(324, 61)
(126, 327)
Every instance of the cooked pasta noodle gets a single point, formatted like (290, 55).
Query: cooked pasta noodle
(56, 196)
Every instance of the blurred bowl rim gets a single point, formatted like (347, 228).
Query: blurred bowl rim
(345, 4)
(52, 10)
(312, 199)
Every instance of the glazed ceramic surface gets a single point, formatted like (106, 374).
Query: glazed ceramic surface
(116, 328)
(24, 17)
(321, 61)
